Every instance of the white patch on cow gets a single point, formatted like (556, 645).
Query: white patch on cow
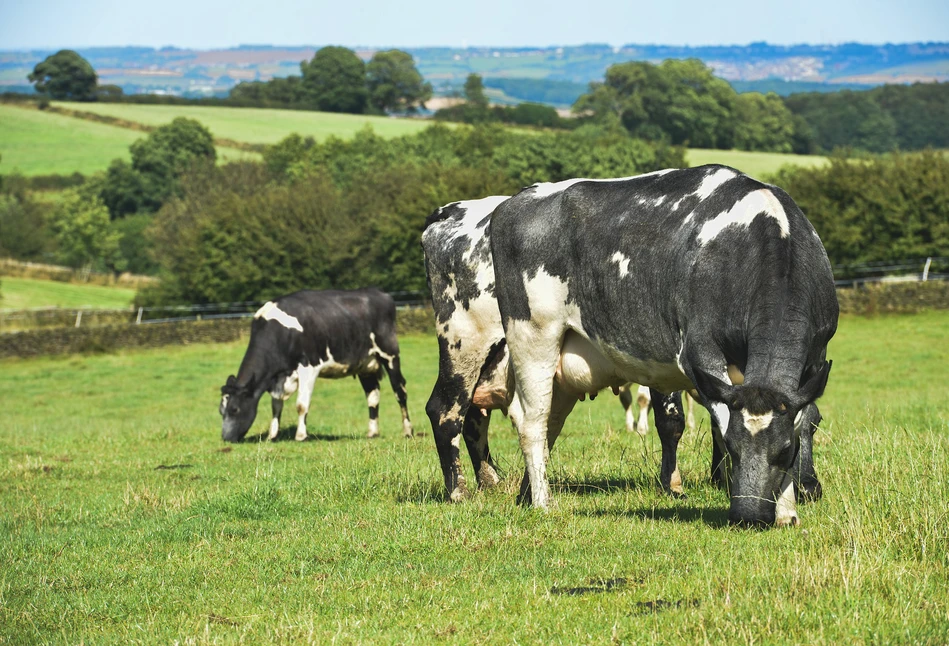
(270, 312)
(756, 423)
(274, 429)
(797, 418)
(722, 415)
(373, 428)
(712, 181)
(307, 379)
(785, 513)
(670, 408)
(329, 368)
(546, 189)
(623, 263)
(372, 399)
(389, 358)
(744, 212)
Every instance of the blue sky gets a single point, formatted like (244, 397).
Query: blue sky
(52, 24)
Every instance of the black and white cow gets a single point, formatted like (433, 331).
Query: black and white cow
(640, 422)
(310, 334)
(700, 278)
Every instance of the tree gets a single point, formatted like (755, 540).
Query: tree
(82, 229)
(474, 91)
(164, 155)
(65, 76)
(394, 83)
(678, 100)
(335, 81)
(23, 231)
(763, 123)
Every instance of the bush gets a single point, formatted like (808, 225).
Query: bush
(883, 209)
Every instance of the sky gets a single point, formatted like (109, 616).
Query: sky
(209, 24)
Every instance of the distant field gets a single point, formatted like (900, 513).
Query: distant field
(27, 293)
(257, 126)
(755, 164)
(40, 143)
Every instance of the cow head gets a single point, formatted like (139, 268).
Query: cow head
(761, 428)
(238, 408)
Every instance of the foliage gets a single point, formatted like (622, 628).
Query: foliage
(908, 117)
(65, 75)
(474, 91)
(159, 160)
(335, 81)
(135, 244)
(678, 99)
(394, 84)
(81, 226)
(763, 123)
(884, 209)
(350, 213)
(23, 230)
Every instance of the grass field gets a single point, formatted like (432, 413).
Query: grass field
(257, 126)
(127, 520)
(41, 143)
(28, 293)
(758, 165)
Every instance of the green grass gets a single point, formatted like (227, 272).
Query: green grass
(41, 143)
(756, 164)
(28, 293)
(254, 125)
(126, 518)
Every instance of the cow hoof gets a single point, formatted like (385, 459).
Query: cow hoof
(458, 494)
(300, 437)
(678, 495)
(487, 477)
(791, 521)
(370, 435)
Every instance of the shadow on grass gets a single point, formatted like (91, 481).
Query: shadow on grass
(604, 485)
(712, 517)
(289, 435)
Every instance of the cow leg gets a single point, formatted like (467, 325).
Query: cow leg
(667, 410)
(626, 399)
(370, 385)
(643, 398)
(398, 387)
(806, 485)
(690, 410)
(307, 379)
(719, 457)
(476, 439)
(561, 405)
(276, 406)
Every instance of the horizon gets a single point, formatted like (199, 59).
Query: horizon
(372, 24)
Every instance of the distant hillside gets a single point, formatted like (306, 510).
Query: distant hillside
(755, 66)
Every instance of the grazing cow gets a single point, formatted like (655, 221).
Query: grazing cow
(474, 377)
(310, 334)
(699, 278)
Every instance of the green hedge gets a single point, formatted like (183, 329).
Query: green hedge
(879, 298)
(108, 338)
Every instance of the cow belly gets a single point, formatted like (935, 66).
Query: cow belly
(584, 368)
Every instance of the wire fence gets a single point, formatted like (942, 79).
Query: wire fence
(910, 270)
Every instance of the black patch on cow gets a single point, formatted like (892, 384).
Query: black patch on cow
(373, 412)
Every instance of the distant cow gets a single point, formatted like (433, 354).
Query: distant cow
(700, 278)
(310, 334)
(473, 376)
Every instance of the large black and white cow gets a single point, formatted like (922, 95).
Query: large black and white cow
(310, 334)
(700, 278)
(474, 377)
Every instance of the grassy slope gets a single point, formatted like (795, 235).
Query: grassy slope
(254, 125)
(755, 164)
(27, 293)
(348, 540)
(41, 143)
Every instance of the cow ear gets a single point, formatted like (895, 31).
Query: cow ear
(711, 388)
(813, 388)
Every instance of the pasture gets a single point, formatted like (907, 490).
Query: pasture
(127, 519)
(257, 125)
(33, 142)
(29, 293)
(757, 164)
